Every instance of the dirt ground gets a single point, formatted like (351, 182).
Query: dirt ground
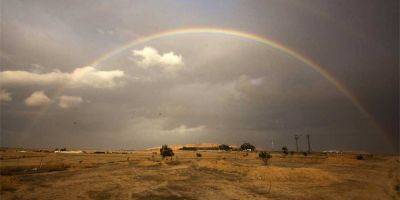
(215, 175)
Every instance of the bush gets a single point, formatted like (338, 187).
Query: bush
(247, 146)
(224, 147)
(264, 156)
(198, 155)
(165, 151)
(285, 150)
(360, 157)
(305, 153)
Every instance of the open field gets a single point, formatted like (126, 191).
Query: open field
(216, 175)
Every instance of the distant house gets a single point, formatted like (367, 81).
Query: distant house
(248, 150)
(79, 151)
(332, 151)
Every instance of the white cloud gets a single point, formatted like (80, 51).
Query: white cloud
(69, 101)
(255, 89)
(182, 129)
(157, 126)
(5, 96)
(30, 78)
(90, 76)
(105, 31)
(169, 62)
(80, 77)
(37, 98)
(247, 85)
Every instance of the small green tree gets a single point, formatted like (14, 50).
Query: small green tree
(285, 150)
(224, 147)
(165, 151)
(264, 156)
(247, 146)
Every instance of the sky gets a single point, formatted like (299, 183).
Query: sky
(201, 86)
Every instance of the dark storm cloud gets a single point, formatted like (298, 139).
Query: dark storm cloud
(227, 89)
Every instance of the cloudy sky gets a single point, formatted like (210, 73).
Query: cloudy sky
(198, 87)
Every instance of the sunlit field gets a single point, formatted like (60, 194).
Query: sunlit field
(214, 175)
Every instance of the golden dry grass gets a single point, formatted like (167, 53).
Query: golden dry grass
(216, 175)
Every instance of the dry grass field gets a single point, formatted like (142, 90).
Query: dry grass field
(215, 175)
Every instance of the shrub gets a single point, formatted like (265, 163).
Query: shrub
(165, 151)
(247, 146)
(360, 157)
(264, 156)
(198, 155)
(285, 150)
(224, 147)
(305, 153)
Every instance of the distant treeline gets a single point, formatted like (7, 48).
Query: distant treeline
(198, 148)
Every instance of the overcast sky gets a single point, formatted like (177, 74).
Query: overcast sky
(200, 87)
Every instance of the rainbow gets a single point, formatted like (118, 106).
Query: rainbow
(261, 39)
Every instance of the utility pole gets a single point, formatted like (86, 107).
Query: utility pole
(309, 145)
(296, 137)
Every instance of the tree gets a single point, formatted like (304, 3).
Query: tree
(246, 146)
(165, 151)
(264, 156)
(224, 147)
(285, 150)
